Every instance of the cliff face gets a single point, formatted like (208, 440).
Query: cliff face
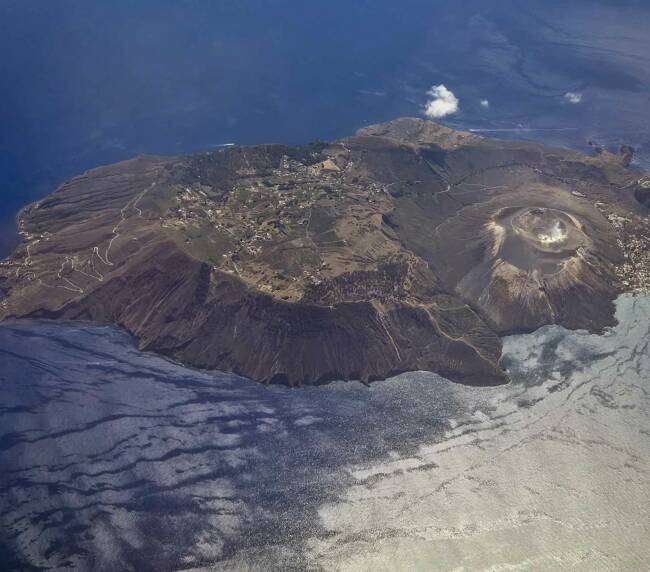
(408, 246)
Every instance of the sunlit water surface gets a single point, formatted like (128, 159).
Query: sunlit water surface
(115, 459)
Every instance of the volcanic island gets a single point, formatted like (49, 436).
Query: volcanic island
(407, 246)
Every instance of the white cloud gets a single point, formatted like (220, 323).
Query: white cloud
(443, 102)
(573, 97)
(485, 103)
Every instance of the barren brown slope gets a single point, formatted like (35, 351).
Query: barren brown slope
(406, 247)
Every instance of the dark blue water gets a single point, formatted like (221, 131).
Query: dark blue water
(88, 82)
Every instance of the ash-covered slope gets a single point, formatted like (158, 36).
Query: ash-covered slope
(408, 246)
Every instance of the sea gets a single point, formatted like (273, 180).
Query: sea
(116, 459)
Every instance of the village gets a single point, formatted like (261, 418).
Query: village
(277, 215)
(634, 237)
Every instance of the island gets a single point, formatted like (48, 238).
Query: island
(407, 246)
